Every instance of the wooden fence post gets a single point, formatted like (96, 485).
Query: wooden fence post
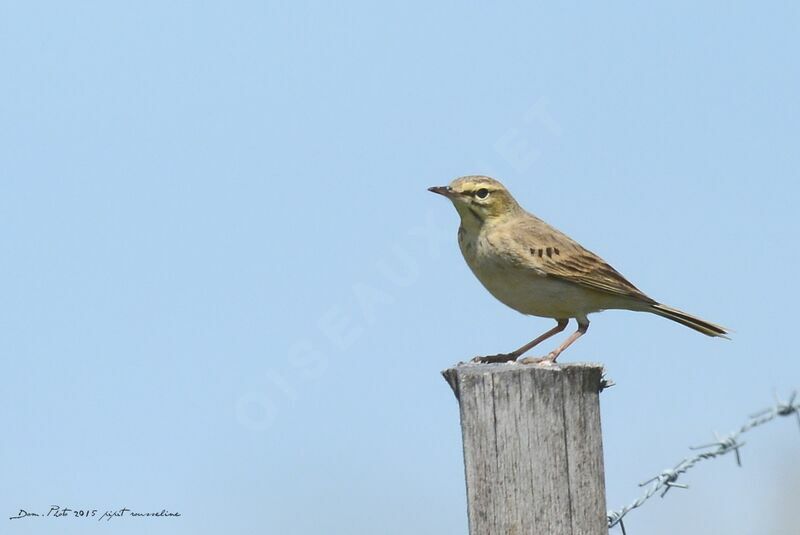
(533, 452)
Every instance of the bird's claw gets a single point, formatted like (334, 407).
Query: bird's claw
(493, 359)
(549, 360)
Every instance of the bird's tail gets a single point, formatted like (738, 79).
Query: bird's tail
(699, 325)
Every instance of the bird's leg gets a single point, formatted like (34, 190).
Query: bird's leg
(583, 326)
(560, 326)
(514, 355)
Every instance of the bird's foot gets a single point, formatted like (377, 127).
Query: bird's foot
(549, 360)
(493, 359)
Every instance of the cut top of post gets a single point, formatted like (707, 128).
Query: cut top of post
(471, 369)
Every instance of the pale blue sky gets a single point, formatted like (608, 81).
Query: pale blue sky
(226, 291)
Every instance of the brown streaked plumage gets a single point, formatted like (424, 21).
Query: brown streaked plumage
(538, 270)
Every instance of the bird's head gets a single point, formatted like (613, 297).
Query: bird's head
(478, 198)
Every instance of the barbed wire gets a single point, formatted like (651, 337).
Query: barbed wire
(668, 478)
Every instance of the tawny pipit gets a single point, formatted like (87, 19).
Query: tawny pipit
(537, 270)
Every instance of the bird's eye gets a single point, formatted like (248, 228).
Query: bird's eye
(482, 193)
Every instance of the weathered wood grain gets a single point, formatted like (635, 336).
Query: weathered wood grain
(533, 453)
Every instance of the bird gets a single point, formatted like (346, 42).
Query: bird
(538, 270)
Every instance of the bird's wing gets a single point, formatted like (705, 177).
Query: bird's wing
(551, 253)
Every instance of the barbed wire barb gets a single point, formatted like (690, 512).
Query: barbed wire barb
(724, 445)
(788, 408)
(606, 383)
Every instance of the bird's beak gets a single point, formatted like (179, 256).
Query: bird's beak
(442, 190)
